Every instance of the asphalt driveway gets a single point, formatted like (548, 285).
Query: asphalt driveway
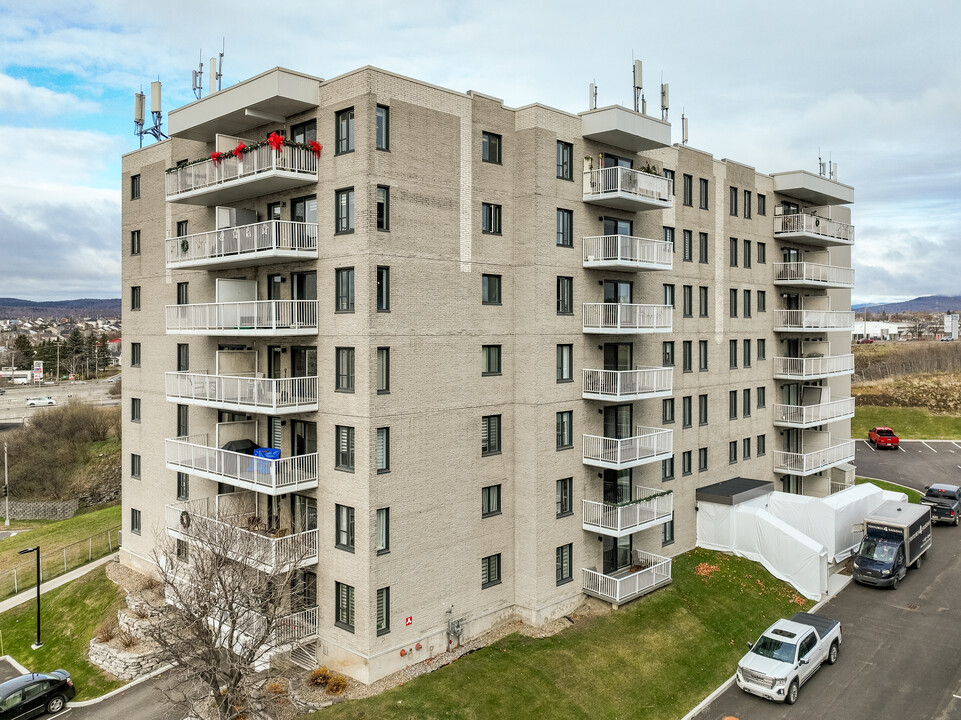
(917, 463)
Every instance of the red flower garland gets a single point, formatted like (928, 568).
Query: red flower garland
(217, 157)
(275, 141)
(239, 150)
(315, 147)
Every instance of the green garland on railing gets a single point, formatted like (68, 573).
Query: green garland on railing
(640, 500)
(230, 153)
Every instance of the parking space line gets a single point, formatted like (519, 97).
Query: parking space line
(902, 449)
(956, 445)
(869, 445)
(928, 447)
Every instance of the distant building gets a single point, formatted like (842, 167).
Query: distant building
(951, 326)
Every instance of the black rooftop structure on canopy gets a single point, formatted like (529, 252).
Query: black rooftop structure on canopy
(734, 491)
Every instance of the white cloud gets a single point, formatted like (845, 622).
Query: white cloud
(20, 97)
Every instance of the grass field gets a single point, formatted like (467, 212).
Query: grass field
(654, 658)
(913, 495)
(910, 423)
(69, 618)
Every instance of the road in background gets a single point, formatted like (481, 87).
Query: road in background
(13, 403)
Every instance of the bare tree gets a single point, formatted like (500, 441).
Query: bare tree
(233, 597)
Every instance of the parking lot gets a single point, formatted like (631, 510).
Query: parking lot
(916, 464)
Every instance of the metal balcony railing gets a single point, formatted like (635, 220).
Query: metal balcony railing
(813, 274)
(622, 318)
(622, 519)
(813, 367)
(245, 244)
(812, 415)
(633, 186)
(813, 320)
(645, 446)
(611, 251)
(812, 225)
(243, 393)
(792, 463)
(252, 317)
(654, 571)
(620, 385)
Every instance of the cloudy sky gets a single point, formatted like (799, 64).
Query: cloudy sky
(874, 86)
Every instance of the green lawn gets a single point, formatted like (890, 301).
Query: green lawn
(913, 495)
(654, 658)
(69, 618)
(908, 423)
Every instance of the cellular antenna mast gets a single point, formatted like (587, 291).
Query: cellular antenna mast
(640, 104)
(139, 108)
(198, 78)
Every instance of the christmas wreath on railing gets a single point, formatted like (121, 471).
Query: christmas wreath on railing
(275, 141)
(184, 519)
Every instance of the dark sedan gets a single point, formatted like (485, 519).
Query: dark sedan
(34, 694)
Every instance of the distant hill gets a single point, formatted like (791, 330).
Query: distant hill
(85, 307)
(927, 303)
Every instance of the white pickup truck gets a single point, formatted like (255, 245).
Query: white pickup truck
(787, 654)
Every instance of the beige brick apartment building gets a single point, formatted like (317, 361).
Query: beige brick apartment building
(497, 349)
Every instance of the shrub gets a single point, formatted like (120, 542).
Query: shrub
(276, 688)
(151, 582)
(320, 676)
(107, 631)
(127, 640)
(337, 684)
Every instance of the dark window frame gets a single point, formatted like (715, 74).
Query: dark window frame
(344, 140)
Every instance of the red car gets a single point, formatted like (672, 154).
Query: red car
(883, 437)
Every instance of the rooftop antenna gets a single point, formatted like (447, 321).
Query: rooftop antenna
(592, 101)
(639, 101)
(683, 128)
(665, 99)
(821, 168)
(198, 78)
(215, 73)
(139, 103)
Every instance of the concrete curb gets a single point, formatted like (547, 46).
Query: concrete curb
(119, 690)
(47, 586)
(9, 659)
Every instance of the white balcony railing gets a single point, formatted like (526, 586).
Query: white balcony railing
(822, 229)
(296, 627)
(191, 520)
(813, 320)
(647, 445)
(813, 367)
(625, 251)
(808, 463)
(192, 455)
(252, 317)
(811, 415)
(261, 162)
(622, 519)
(621, 318)
(243, 393)
(648, 573)
(627, 188)
(621, 385)
(814, 274)
(837, 487)
(280, 240)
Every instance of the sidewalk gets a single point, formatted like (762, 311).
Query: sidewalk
(30, 594)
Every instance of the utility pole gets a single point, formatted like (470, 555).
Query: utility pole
(6, 487)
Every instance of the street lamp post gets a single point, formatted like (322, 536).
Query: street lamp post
(6, 487)
(39, 643)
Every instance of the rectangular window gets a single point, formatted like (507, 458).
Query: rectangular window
(761, 253)
(703, 195)
(183, 293)
(761, 301)
(732, 405)
(761, 440)
(732, 353)
(688, 300)
(702, 355)
(491, 500)
(344, 370)
(761, 396)
(667, 411)
(135, 354)
(733, 202)
(686, 462)
(702, 409)
(344, 285)
(746, 448)
(565, 160)
(344, 451)
(565, 225)
(667, 353)
(732, 452)
(761, 349)
(135, 297)
(383, 288)
(565, 429)
(747, 204)
(344, 606)
(746, 354)
(702, 459)
(669, 174)
(702, 301)
(732, 252)
(667, 532)
(490, 359)
(761, 204)
(565, 295)
(747, 303)
(747, 253)
(182, 228)
(564, 493)
(491, 218)
(383, 128)
(344, 210)
(688, 247)
(383, 611)
(383, 370)
(134, 187)
(491, 147)
(565, 372)
(135, 410)
(490, 570)
(686, 356)
(687, 411)
(183, 424)
(702, 247)
(344, 122)
(732, 302)
(668, 235)
(688, 190)
(491, 289)
(134, 242)
(383, 207)
(135, 466)
(667, 469)
(490, 434)
(565, 567)
(669, 294)
(344, 527)
(382, 530)
(135, 520)
(183, 486)
(746, 403)
(183, 357)
(382, 450)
